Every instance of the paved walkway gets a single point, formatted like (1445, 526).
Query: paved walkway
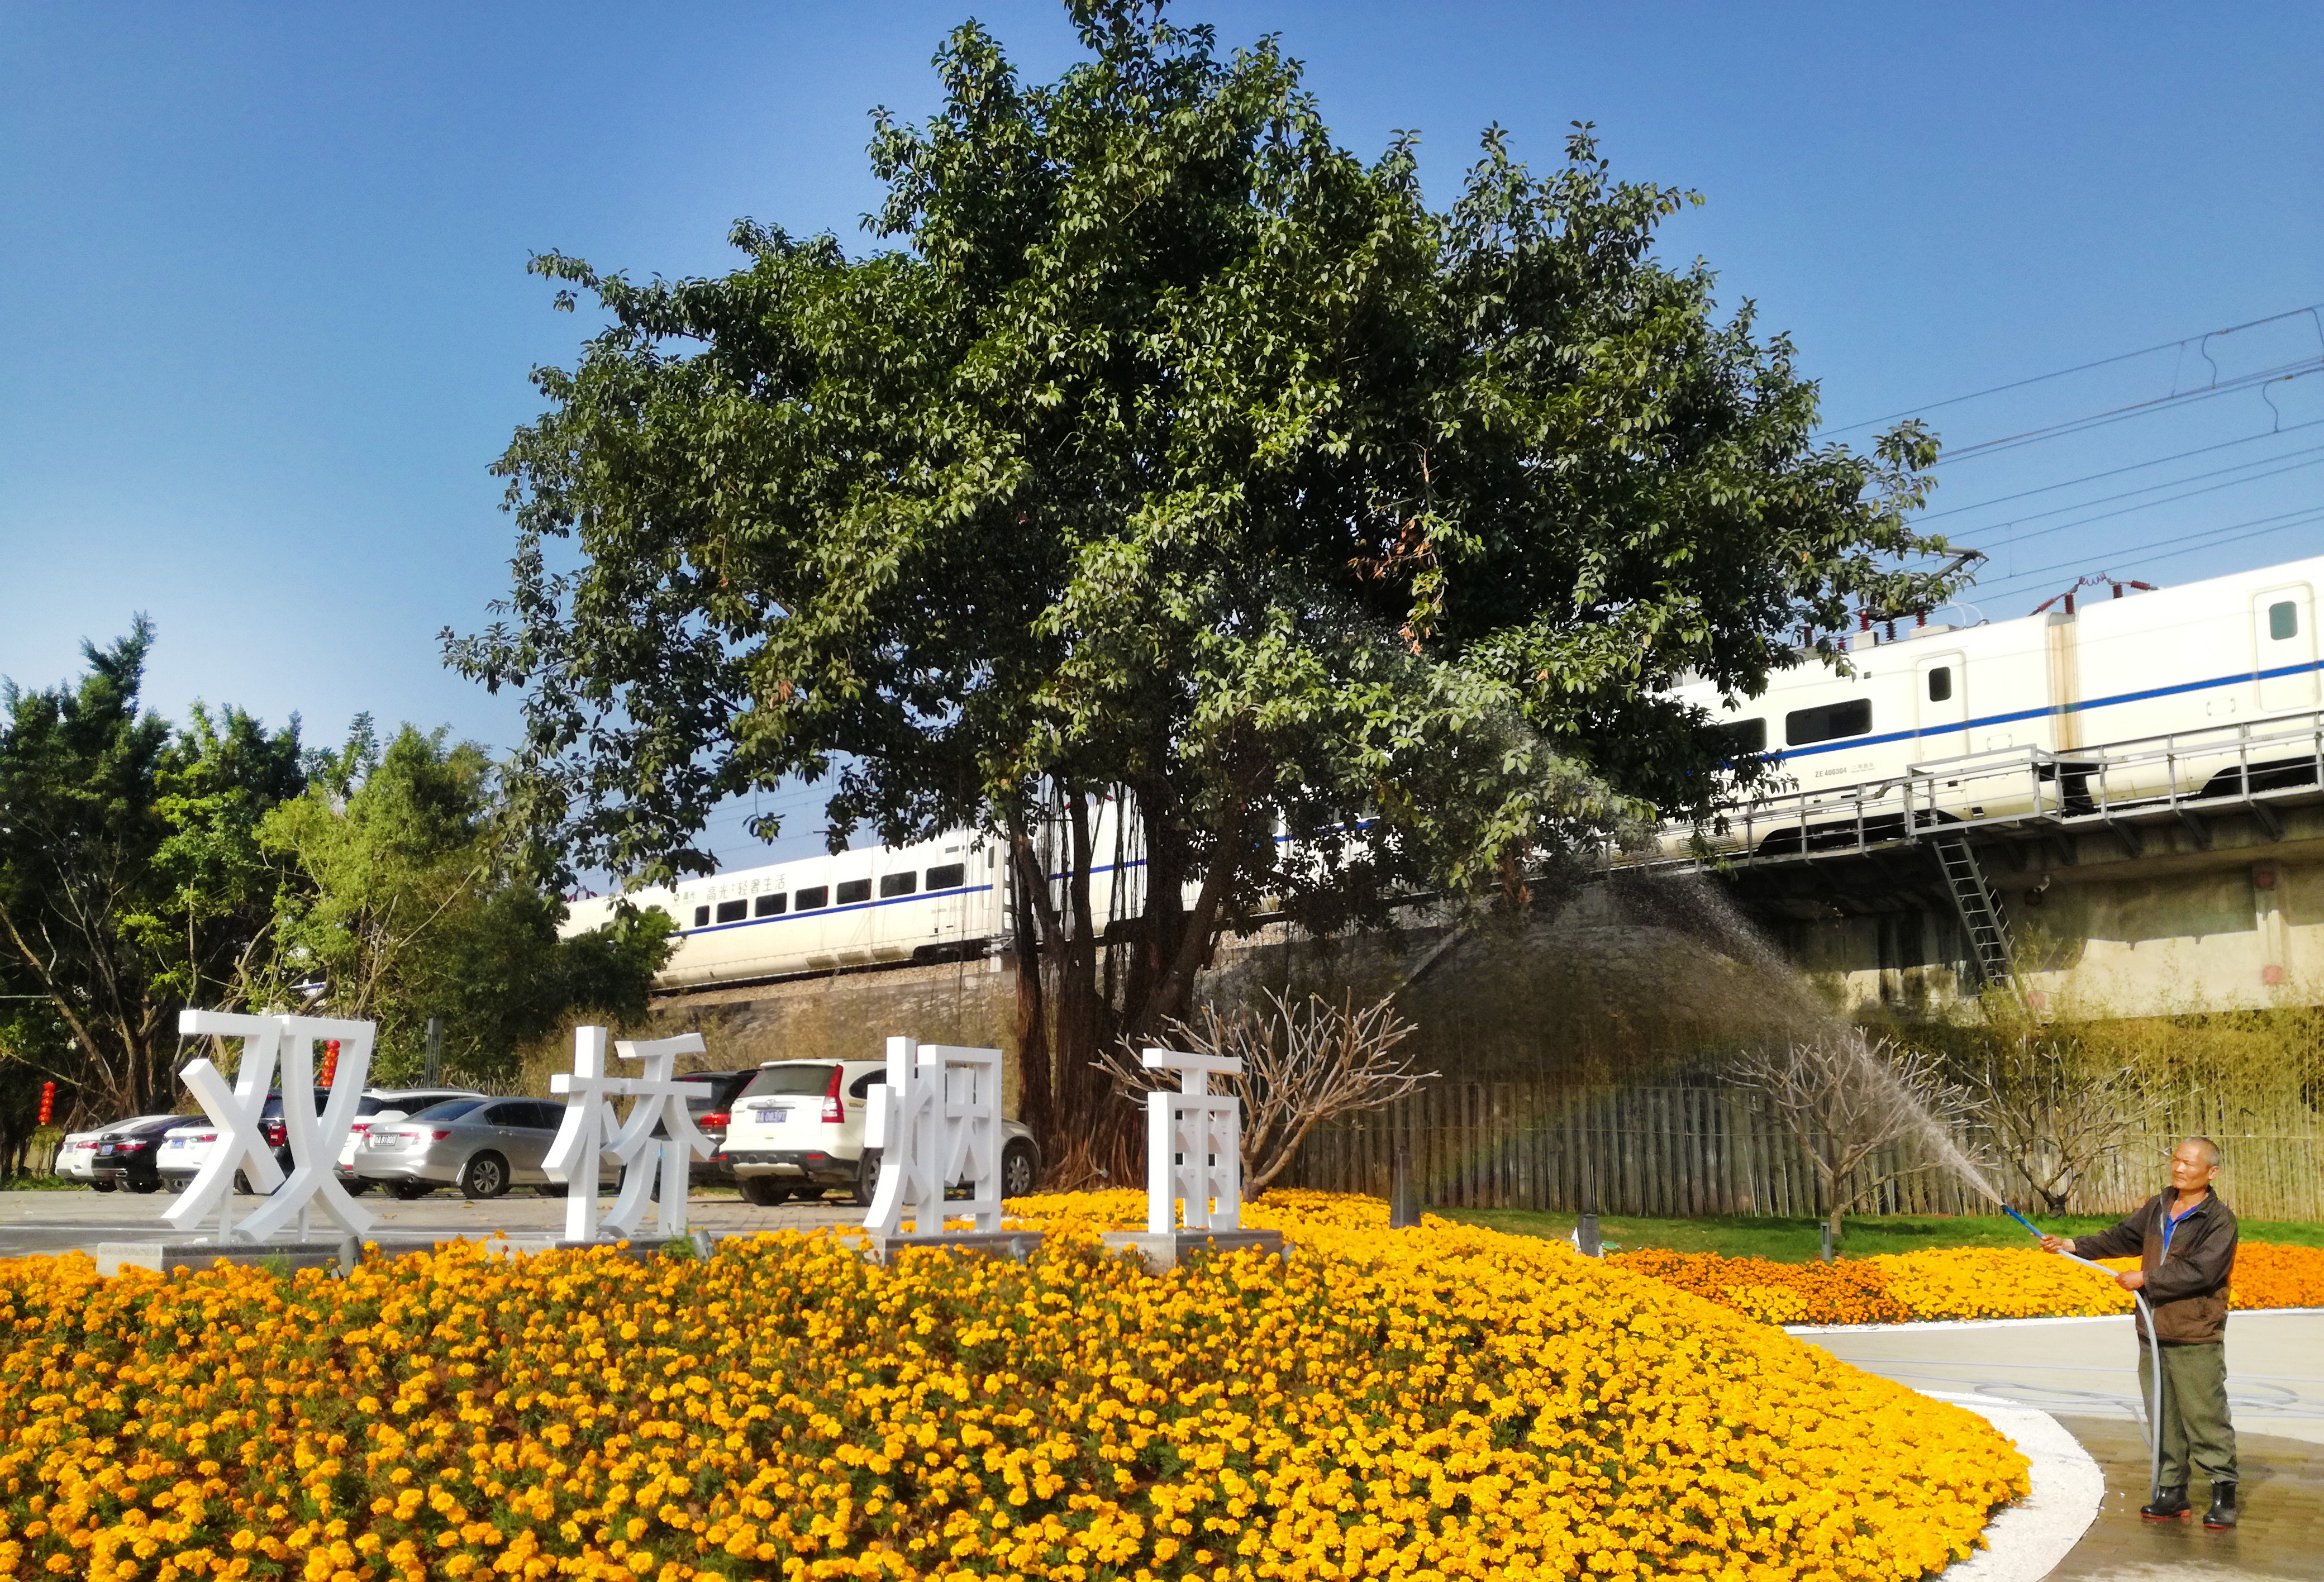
(2082, 1371)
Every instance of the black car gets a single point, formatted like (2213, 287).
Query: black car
(711, 1113)
(124, 1157)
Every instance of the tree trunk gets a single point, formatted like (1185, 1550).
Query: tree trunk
(1037, 1105)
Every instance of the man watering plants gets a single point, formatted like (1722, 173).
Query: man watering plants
(2185, 1239)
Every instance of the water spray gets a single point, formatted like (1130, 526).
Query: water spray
(2153, 1429)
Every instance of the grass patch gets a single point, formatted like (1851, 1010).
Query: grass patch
(1798, 1241)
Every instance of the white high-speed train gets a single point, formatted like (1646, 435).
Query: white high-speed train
(941, 900)
(2180, 693)
(2203, 690)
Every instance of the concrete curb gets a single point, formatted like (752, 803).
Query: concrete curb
(2025, 1541)
(1923, 1326)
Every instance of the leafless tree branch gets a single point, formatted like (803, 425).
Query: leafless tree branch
(1302, 1065)
(1847, 1098)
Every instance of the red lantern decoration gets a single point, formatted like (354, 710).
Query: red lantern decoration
(331, 1061)
(48, 1101)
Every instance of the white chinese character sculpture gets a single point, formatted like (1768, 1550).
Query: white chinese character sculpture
(1194, 1145)
(315, 1140)
(644, 1158)
(936, 1122)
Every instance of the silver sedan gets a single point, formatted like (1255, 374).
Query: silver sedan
(483, 1147)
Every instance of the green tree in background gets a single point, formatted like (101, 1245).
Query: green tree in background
(131, 879)
(402, 910)
(144, 870)
(1180, 457)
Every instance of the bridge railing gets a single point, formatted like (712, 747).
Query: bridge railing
(2208, 768)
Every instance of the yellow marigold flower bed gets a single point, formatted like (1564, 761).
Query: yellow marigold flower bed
(1955, 1283)
(1441, 1403)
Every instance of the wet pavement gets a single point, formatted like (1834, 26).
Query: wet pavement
(2082, 1372)
(2281, 1534)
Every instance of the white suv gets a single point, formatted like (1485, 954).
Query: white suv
(799, 1127)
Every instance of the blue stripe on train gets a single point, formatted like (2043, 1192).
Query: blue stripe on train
(1849, 743)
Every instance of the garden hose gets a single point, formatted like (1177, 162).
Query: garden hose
(2153, 1348)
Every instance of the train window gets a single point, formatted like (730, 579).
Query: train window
(769, 905)
(851, 891)
(951, 876)
(1940, 683)
(1742, 738)
(1828, 722)
(2284, 621)
(807, 900)
(702, 917)
(733, 911)
(898, 884)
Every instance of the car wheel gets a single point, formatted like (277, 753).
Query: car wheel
(242, 1184)
(406, 1191)
(101, 1186)
(1020, 1175)
(763, 1191)
(867, 1176)
(145, 1186)
(485, 1176)
(359, 1186)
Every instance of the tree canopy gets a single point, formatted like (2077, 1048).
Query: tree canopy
(404, 910)
(146, 868)
(1171, 452)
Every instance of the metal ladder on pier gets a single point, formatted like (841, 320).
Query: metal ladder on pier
(1980, 909)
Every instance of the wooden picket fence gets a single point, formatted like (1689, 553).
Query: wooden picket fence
(1684, 1151)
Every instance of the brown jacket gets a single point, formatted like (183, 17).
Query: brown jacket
(2188, 1290)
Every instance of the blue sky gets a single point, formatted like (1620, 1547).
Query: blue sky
(268, 321)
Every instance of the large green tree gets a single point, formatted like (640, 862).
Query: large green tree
(1175, 454)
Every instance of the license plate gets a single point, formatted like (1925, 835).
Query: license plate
(776, 1114)
(180, 1142)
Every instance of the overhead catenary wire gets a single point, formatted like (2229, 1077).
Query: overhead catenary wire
(1927, 516)
(2160, 548)
(2007, 538)
(2312, 310)
(2113, 415)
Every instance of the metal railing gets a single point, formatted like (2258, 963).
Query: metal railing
(2245, 764)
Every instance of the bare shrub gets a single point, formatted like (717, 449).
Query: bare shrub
(1302, 1065)
(1845, 1098)
(2057, 1113)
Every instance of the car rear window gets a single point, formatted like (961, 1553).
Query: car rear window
(791, 1080)
(450, 1109)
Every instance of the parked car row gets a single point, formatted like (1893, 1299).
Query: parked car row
(780, 1130)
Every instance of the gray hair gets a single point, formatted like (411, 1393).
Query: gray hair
(2210, 1151)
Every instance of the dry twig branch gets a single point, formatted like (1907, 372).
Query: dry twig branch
(1845, 1098)
(1302, 1065)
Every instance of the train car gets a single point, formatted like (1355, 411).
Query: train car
(941, 900)
(2205, 689)
(938, 900)
(2175, 692)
